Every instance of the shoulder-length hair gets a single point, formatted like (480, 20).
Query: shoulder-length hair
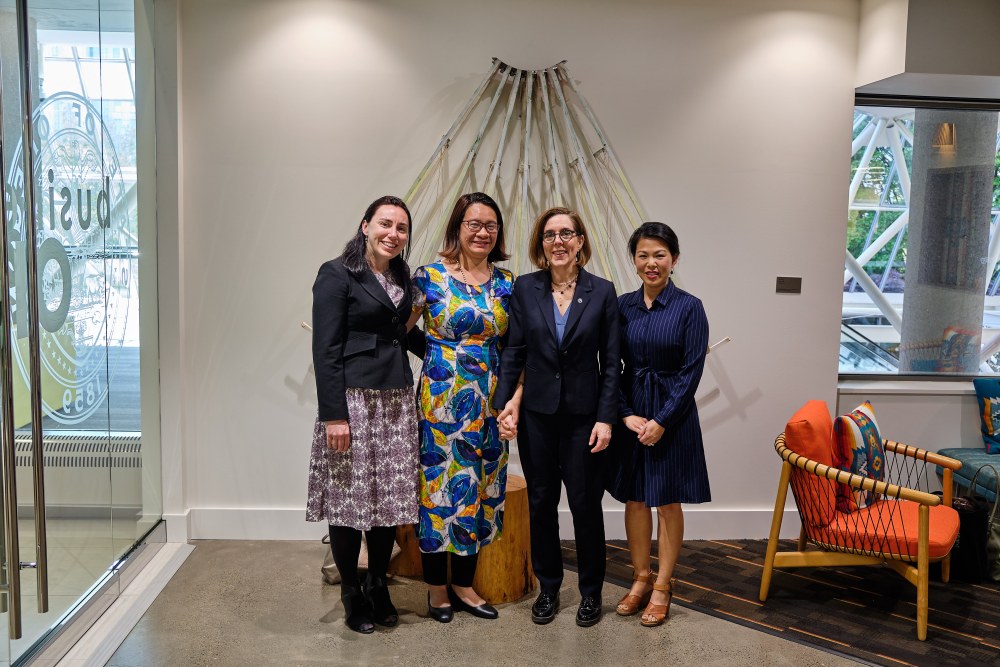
(535, 251)
(656, 231)
(452, 248)
(355, 255)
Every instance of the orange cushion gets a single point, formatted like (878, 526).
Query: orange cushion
(810, 433)
(891, 527)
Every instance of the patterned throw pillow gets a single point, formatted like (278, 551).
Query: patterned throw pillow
(988, 394)
(858, 449)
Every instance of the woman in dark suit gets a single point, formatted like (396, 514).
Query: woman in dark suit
(564, 346)
(659, 448)
(363, 467)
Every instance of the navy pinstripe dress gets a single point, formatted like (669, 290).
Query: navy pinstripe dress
(664, 350)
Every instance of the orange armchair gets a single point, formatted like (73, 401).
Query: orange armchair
(903, 527)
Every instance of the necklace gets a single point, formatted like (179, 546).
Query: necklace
(470, 290)
(568, 285)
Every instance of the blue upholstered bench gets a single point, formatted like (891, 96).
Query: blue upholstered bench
(988, 397)
(972, 458)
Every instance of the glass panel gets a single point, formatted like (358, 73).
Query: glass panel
(75, 198)
(84, 188)
(117, 79)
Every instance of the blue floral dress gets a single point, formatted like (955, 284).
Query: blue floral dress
(463, 462)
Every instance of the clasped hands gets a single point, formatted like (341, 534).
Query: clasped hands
(507, 420)
(600, 435)
(648, 430)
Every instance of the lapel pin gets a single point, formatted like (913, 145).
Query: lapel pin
(580, 300)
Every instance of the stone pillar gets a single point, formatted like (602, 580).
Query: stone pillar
(949, 232)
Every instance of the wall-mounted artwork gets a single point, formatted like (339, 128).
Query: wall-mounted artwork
(529, 139)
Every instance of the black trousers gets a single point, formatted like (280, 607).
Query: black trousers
(554, 450)
(463, 568)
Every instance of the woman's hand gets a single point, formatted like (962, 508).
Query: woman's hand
(635, 423)
(338, 435)
(600, 436)
(651, 433)
(507, 419)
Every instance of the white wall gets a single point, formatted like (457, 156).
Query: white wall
(931, 415)
(955, 37)
(881, 40)
(731, 118)
(929, 48)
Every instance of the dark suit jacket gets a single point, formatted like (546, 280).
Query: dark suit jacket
(359, 337)
(582, 373)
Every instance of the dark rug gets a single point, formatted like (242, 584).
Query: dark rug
(866, 613)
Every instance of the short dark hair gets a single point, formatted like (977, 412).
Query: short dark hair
(452, 248)
(535, 252)
(658, 232)
(355, 252)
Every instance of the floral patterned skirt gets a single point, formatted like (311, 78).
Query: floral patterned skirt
(373, 483)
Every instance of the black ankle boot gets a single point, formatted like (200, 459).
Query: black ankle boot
(377, 592)
(357, 611)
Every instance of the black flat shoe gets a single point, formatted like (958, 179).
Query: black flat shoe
(545, 607)
(439, 614)
(357, 613)
(484, 610)
(383, 611)
(589, 612)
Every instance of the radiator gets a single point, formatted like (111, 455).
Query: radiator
(86, 473)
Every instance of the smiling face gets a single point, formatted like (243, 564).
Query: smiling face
(653, 263)
(477, 245)
(560, 253)
(387, 232)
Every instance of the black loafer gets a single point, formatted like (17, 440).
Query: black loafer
(589, 612)
(439, 614)
(545, 608)
(383, 612)
(484, 610)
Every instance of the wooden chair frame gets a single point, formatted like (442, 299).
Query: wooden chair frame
(833, 555)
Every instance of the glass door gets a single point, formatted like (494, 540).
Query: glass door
(70, 424)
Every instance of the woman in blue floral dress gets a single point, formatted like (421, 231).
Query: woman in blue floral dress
(463, 301)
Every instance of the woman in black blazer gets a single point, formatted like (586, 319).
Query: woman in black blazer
(363, 466)
(563, 348)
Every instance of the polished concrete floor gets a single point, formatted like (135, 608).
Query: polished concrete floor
(264, 603)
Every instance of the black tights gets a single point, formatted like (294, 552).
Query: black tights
(346, 545)
(463, 568)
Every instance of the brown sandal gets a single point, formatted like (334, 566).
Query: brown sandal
(657, 613)
(629, 605)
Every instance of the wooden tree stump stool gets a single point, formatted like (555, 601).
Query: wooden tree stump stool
(407, 562)
(504, 571)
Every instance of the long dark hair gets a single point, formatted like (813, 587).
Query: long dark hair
(355, 252)
(452, 249)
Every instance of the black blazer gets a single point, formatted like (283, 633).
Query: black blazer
(582, 373)
(359, 337)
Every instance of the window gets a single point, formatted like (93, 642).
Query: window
(921, 281)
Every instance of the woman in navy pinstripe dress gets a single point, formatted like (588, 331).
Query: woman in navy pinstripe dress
(664, 338)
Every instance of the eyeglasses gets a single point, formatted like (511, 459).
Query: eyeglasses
(565, 235)
(476, 226)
